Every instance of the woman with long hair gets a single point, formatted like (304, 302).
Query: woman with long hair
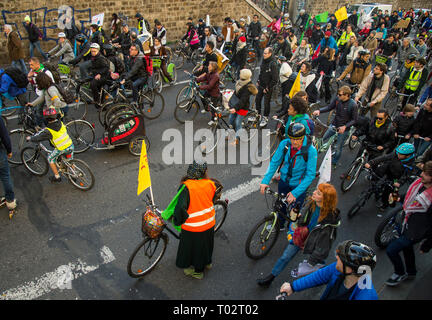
(326, 64)
(318, 210)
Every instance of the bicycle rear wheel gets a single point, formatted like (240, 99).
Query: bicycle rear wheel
(208, 145)
(18, 142)
(146, 256)
(386, 230)
(186, 110)
(357, 206)
(352, 175)
(80, 175)
(178, 59)
(77, 110)
(185, 94)
(82, 134)
(262, 238)
(35, 161)
(152, 104)
(158, 82)
(221, 210)
(9, 103)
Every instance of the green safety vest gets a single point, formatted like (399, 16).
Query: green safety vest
(344, 38)
(414, 80)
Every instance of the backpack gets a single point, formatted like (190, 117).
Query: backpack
(67, 95)
(311, 126)
(304, 152)
(53, 69)
(17, 76)
(149, 64)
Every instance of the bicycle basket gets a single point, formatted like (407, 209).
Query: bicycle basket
(380, 59)
(64, 69)
(156, 62)
(319, 130)
(152, 224)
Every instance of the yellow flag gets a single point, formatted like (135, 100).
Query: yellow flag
(295, 87)
(341, 14)
(144, 171)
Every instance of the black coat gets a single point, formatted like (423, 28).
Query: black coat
(254, 29)
(324, 64)
(137, 68)
(382, 136)
(316, 37)
(346, 112)
(83, 52)
(283, 49)
(125, 41)
(72, 32)
(390, 166)
(269, 73)
(240, 57)
(403, 124)
(423, 124)
(33, 32)
(100, 65)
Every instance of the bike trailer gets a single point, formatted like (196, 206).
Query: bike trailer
(124, 128)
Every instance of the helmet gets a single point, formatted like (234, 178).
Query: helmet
(138, 15)
(363, 52)
(405, 148)
(286, 15)
(109, 49)
(296, 131)
(412, 56)
(355, 254)
(80, 38)
(95, 45)
(282, 58)
(196, 170)
(62, 35)
(302, 11)
(50, 113)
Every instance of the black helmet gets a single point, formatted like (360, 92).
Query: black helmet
(282, 58)
(196, 170)
(412, 56)
(80, 37)
(138, 15)
(296, 131)
(109, 49)
(355, 254)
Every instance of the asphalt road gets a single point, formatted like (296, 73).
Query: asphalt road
(95, 232)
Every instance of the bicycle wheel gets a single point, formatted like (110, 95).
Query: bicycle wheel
(115, 111)
(357, 206)
(146, 256)
(352, 175)
(158, 82)
(9, 103)
(135, 145)
(186, 111)
(391, 105)
(18, 142)
(221, 210)
(77, 110)
(82, 134)
(185, 94)
(251, 127)
(35, 161)
(194, 58)
(352, 144)
(179, 59)
(151, 104)
(387, 230)
(79, 174)
(208, 145)
(262, 238)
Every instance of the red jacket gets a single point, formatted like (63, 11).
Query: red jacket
(212, 83)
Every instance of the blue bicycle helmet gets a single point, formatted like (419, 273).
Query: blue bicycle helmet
(406, 149)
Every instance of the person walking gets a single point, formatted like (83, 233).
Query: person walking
(15, 50)
(34, 35)
(195, 214)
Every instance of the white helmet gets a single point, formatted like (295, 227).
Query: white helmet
(62, 35)
(286, 15)
(95, 45)
(302, 11)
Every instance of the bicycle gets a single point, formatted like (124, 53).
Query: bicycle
(264, 234)
(183, 53)
(158, 76)
(276, 136)
(390, 227)
(77, 171)
(335, 85)
(393, 104)
(151, 250)
(318, 140)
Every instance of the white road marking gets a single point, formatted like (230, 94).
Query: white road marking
(60, 278)
(242, 190)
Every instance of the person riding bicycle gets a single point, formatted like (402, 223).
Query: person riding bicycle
(416, 227)
(97, 34)
(301, 54)
(124, 42)
(109, 53)
(345, 117)
(379, 134)
(319, 210)
(325, 65)
(297, 159)
(35, 68)
(63, 49)
(192, 37)
(238, 60)
(82, 47)
(254, 34)
(414, 80)
(159, 50)
(423, 128)
(388, 49)
(159, 32)
(211, 87)
(56, 133)
(404, 123)
(209, 56)
(374, 88)
(136, 41)
(405, 50)
(137, 73)
(100, 73)
(395, 167)
(358, 69)
(283, 48)
(343, 277)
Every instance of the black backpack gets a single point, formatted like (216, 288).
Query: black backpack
(67, 95)
(304, 152)
(53, 69)
(19, 77)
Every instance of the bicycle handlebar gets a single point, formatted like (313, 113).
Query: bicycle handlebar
(404, 95)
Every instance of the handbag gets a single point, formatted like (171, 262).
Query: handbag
(233, 101)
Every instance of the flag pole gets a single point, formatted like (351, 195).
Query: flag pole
(151, 195)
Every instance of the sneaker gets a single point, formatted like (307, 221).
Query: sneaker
(263, 122)
(11, 205)
(197, 275)
(188, 271)
(203, 111)
(209, 266)
(265, 282)
(54, 179)
(2, 201)
(211, 122)
(395, 279)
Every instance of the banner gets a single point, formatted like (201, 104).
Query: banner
(317, 51)
(305, 29)
(295, 87)
(207, 20)
(341, 14)
(144, 171)
(325, 168)
(98, 19)
(322, 17)
(278, 25)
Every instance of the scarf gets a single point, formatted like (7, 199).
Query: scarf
(379, 125)
(416, 202)
(240, 45)
(240, 84)
(376, 83)
(157, 49)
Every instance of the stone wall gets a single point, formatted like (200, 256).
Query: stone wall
(172, 13)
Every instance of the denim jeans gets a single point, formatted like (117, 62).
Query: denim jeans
(136, 86)
(236, 121)
(284, 187)
(421, 146)
(84, 68)
(37, 46)
(289, 252)
(407, 247)
(20, 65)
(5, 176)
(340, 141)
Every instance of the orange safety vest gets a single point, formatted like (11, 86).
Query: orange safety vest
(201, 211)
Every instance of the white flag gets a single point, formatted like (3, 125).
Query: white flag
(208, 21)
(325, 168)
(98, 19)
(319, 82)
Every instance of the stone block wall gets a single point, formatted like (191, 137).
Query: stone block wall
(172, 13)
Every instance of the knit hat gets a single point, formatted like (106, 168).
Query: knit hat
(327, 33)
(242, 39)
(245, 74)
(197, 170)
(27, 18)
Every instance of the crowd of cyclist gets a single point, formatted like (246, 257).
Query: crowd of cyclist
(319, 55)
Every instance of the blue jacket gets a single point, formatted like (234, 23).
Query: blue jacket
(384, 31)
(331, 43)
(302, 173)
(426, 95)
(328, 275)
(300, 119)
(7, 85)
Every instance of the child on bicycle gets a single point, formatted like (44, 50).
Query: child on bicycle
(56, 132)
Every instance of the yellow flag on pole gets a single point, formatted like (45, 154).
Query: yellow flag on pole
(295, 87)
(144, 171)
(341, 14)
